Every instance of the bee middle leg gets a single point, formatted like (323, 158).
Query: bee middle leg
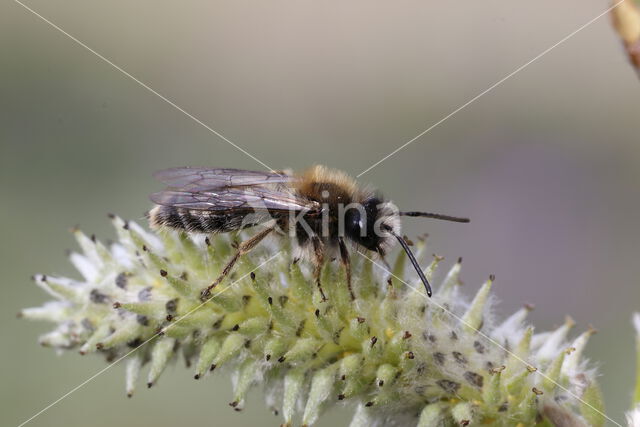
(346, 262)
(243, 248)
(318, 252)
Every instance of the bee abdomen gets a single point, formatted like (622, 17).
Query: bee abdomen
(186, 220)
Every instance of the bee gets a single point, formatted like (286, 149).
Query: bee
(321, 209)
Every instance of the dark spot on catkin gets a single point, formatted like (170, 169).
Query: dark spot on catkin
(439, 358)
(145, 294)
(171, 306)
(300, 327)
(429, 337)
(459, 357)
(474, 379)
(336, 336)
(98, 297)
(448, 386)
(217, 323)
(135, 343)
(121, 280)
(86, 323)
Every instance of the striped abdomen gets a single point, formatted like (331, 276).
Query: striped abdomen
(202, 221)
(195, 221)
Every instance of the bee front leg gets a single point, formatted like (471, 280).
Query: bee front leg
(243, 248)
(346, 262)
(318, 252)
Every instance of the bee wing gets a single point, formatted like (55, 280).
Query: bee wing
(201, 179)
(235, 200)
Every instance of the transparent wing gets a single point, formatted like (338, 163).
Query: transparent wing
(235, 200)
(201, 179)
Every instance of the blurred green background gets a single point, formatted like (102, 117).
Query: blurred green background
(546, 165)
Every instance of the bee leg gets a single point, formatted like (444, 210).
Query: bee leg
(318, 251)
(243, 248)
(346, 262)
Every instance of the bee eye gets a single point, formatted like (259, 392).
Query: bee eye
(359, 225)
(353, 222)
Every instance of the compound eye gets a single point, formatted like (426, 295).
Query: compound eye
(362, 233)
(353, 223)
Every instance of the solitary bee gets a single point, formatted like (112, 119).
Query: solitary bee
(321, 209)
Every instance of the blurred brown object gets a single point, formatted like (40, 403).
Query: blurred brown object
(626, 21)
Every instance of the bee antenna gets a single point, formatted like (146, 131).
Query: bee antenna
(435, 216)
(413, 260)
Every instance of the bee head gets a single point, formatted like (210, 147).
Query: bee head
(373, 224)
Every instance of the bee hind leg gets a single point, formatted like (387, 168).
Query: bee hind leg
(318, 252)
(346, 262)
(243, 248)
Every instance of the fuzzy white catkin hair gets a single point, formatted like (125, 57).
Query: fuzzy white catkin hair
(400, 357)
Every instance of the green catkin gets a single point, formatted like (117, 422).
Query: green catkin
(321, 386)
(293, 383)
(492, 394)
(399, 356)
(231, 347)
(160, 356)
(209, 351)
(246, 375)
(133, 367)
(521, 352)
(434, 415)
(463, 413)
(552, 376)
